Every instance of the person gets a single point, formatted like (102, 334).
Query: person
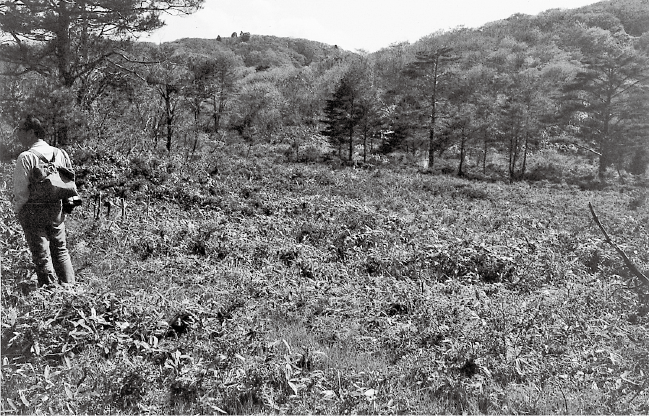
(42, 222)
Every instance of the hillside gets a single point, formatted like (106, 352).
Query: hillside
(628, 16)
(263, 51)
(632, 16)
(277, 226)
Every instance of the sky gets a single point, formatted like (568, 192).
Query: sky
(351, 24)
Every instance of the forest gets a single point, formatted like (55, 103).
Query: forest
(278, 225)
(572, 79)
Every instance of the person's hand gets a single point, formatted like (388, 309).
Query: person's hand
(70, 203)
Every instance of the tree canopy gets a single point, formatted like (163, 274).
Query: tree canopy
(512, 87)
(68, 39)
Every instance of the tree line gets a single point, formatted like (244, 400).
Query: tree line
(578, 77)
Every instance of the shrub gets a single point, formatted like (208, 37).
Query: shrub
(548, 172)
(390, 293)
(639, 162)
(638, 200)
(556, 167)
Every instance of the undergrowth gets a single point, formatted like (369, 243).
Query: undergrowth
(248, 285)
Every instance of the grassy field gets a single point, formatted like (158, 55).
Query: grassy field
(247, 285)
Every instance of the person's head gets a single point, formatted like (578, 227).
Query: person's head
(30, 131)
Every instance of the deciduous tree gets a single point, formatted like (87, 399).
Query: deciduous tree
(227, 65)
(169, 77)
(257, 110)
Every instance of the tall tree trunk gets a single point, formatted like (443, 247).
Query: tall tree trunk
(218, 113)
(351, 144)
(431, 159)
(196, 128)
(433, 117)
(603, 164)
(169, 119)
(512, 157)
(462, 155)
(524, 167)
(484, 156)
(605, 148)
(365, 147)
(62, 44)
(219, 108)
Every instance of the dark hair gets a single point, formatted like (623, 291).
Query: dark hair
(33, 124)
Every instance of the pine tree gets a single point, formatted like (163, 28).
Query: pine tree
(429, 68)
(343, 112)
(65, 40)
(598, 101)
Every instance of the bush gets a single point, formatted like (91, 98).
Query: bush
(546, 172)
(309, 154)
(550, 165)
(9, 150)
(639, 162)
(638, 200)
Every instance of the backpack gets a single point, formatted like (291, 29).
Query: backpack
(49, 182)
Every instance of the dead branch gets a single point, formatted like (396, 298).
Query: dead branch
(123, 205)
(643, 279)
(588, 149)
(123, 68)
(97, 207)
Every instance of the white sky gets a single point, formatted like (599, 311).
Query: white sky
(350, 24)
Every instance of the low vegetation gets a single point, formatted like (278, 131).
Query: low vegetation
(276, 225)
(234, 284)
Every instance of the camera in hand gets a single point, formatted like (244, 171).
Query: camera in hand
(70, 203)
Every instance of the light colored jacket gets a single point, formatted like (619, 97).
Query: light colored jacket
(24, 165)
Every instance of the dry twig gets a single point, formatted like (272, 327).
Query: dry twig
(634, 269)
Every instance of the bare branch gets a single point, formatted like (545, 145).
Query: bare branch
(123, 68)
(126, 58)
(588, 148)
(643, 279)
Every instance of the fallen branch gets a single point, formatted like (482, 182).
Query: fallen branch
(643, 279)
(588, 149)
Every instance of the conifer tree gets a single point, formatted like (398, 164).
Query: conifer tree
(343, 112)
(66, 40)
(602, 100)
(429, 68)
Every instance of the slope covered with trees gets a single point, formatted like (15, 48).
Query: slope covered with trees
(275, 225)
(513, 87)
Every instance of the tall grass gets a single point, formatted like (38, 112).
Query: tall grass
(266, 287)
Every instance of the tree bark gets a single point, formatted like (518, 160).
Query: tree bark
(351, 144)
(523, 168)
(169, 117)
(462, 155)
(484, 157)
(433, 116)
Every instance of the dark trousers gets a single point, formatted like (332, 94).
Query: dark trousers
(45, 234)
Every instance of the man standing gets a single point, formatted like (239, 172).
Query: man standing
(42, 221)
